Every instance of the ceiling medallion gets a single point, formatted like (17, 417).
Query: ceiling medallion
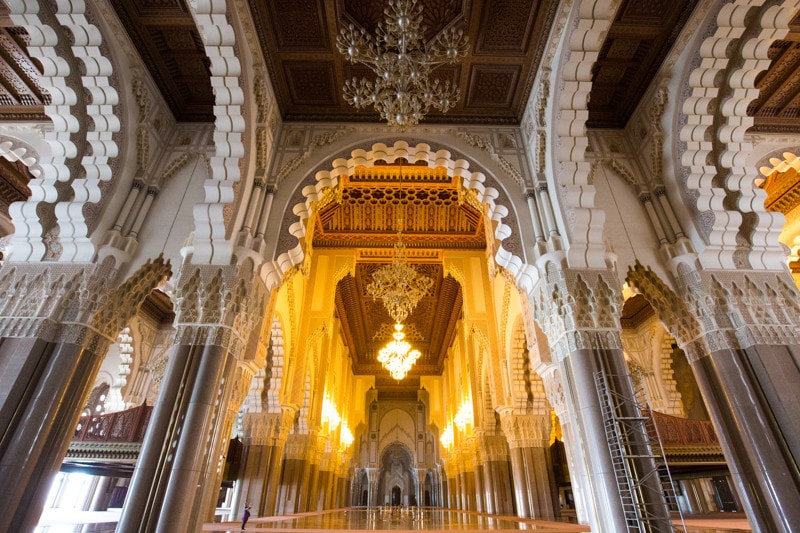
(399, 284)
(402, 92)
(397, 356)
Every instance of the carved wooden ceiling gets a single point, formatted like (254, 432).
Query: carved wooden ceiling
(365, 213)
(637, 43)
(507, 40)
(166, 36)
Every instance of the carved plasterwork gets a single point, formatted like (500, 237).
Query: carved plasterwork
(75, 304)
(492, 448)
(218, 305)
(717, 181)
(578, 309)
(420, 154)
(267, 429)
(526, 431)
(723, 310)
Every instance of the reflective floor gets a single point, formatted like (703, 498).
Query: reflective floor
(442, 520)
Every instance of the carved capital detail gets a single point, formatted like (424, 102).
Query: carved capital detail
(578, 309)
(77, 304)
(723, 309)
(219, 305)
(525, 431)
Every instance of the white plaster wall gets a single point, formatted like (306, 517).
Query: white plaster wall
(628, 230)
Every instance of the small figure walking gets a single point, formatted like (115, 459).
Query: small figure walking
(245, 514)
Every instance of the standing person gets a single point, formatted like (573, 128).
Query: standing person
(245, 514)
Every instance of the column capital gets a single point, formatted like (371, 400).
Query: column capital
(710, 311)
(577, 309)
(219, 305)
(526, 430)
(77, 304)
(492, 447)
(265, 429)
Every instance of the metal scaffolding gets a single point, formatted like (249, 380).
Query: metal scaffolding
(638, 458)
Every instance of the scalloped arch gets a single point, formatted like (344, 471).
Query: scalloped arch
(721, 86)
(420, 153)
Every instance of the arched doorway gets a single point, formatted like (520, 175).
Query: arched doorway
(396, 480)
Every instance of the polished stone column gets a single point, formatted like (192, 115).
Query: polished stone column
(47, 384)
(481, 490)
(193, 386)
(740, 331)
(758, 450)
(48, 367)
(265, 437)
(534, 486)
(494, 456)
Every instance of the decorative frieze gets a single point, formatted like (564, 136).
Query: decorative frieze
(73, 303)
(525, 431)
(578, 310)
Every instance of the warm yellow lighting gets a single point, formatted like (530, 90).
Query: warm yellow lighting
(464, 416)
(447, 436)
(397, 357)
(345, 436)
(399, 284)
(329, 414)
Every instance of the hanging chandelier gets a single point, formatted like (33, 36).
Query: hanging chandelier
(402, 91)
(399, 284)
(397, 356)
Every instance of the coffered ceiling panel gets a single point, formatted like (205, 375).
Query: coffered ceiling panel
(635, 47)
(777, 108)
(21, 95)
(507, 39)
(166, 36)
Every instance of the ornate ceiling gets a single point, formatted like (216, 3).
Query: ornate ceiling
(635, 47)
(507, 39)
(365, 213)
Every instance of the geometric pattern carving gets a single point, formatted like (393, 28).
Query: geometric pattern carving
(368, 211)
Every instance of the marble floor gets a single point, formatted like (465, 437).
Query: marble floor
(64, 521)
(444, 520)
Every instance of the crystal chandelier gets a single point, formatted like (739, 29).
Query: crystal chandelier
(399, 284)
(397, 356)
(402, 61)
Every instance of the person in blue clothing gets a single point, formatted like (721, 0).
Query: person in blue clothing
(245, 514)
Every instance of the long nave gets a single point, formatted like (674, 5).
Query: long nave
(436, 265)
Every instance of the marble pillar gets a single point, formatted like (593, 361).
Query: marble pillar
(740, 331)
(531, 469)
(48, 366)
(759, 452)
(169, 477)
(46, 385)
(262, 458)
